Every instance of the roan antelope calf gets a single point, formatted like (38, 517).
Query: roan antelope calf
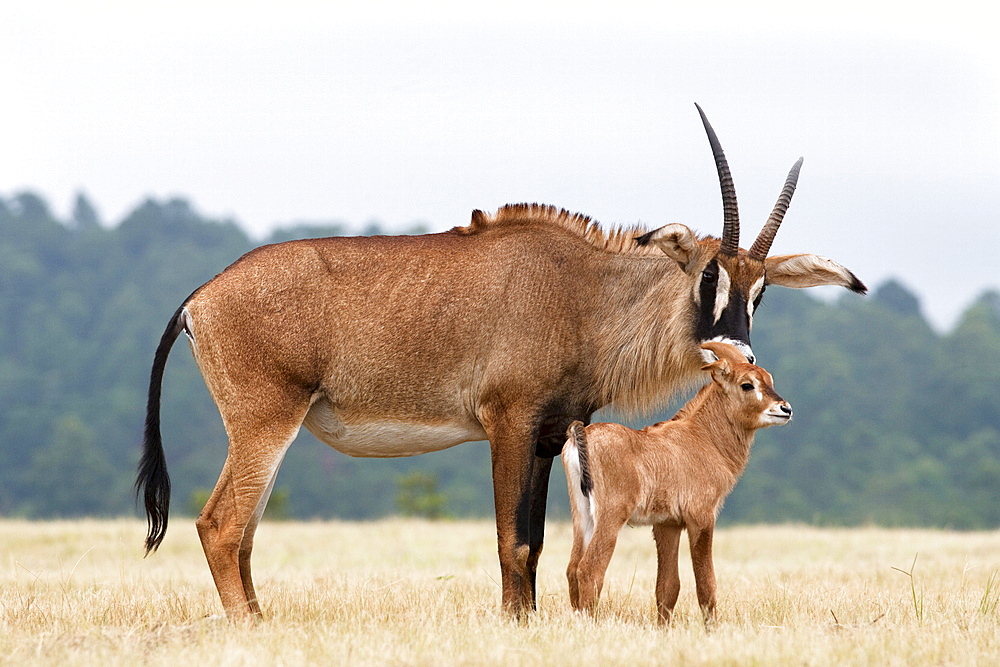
(673, 475)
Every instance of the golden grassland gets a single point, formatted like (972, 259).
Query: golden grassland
(410, 592)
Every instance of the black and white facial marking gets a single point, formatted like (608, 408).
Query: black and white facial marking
(724, 310)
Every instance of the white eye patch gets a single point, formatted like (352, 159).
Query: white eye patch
(721, 294)
(755, 291)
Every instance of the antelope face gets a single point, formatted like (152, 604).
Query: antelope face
(751, 387)
(763, 402)
(725, 289)
(727, 282)
(727, 292)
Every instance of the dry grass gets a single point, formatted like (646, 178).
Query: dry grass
(411, 592)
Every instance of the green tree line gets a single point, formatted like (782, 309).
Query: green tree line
(895, 423)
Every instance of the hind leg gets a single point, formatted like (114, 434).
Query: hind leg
(574, 565)
(595, 560)
(580, 518)
(227, 524)
(213, 529)
(246, 547)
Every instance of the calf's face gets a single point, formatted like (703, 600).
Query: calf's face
(750, 388)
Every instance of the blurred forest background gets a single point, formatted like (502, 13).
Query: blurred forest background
(895, 424)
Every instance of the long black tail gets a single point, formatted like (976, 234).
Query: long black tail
(579, 435)
(152, 480)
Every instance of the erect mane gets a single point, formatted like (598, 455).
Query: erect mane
(618, 240)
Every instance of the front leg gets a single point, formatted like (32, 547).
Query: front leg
(704, 570)
(668, 581)
(512, 444)
(538, 496)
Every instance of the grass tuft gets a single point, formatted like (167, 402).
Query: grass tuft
(918, 597)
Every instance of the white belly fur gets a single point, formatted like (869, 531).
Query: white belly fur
(394, 438)
(387, 437)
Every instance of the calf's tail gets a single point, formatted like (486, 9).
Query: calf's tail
(581, 485)
(578, 435)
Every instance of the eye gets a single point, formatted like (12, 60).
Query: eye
(709, 274)
(746, 386)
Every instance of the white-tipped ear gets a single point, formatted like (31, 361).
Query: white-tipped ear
(708, 357)
(677, 241)
(719, 369)
(810, 271)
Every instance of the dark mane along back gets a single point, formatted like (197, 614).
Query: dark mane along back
(619, 240)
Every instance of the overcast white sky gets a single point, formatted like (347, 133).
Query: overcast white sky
(404, 112)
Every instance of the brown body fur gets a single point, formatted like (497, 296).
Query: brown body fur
(673, 475)
(507, 329)
(354, 350)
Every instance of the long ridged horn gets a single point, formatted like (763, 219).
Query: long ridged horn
(730, 210)
(764, 240)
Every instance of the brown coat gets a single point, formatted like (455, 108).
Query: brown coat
(507, 329)
(673, 475)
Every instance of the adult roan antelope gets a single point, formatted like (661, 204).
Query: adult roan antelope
(507, 329)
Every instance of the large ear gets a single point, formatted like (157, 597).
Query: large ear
(676, 241)
(726, 355)
(718, 368)
(809, 271)
(724, 352)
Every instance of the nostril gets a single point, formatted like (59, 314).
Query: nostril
(787, 409)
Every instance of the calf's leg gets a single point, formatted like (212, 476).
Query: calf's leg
(704, 570)
(580, 522)
(594, 563)
(668, 581)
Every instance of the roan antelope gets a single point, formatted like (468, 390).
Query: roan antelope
(507, 329)
(673, 475)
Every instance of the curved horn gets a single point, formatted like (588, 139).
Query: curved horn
(731, 213)
(762, 245)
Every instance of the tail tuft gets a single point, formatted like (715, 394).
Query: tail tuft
(577, 432)
(152, 481)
